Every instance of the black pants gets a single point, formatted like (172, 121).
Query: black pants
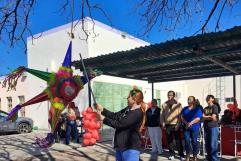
(173, 135)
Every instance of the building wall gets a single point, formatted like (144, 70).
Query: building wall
(202, 87)
(108, 40)
(21, 90)
(177, 86)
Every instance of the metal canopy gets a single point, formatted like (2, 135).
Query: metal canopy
(202, 56)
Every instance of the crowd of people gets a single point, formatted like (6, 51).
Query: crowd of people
(187, 121)
(177, 121)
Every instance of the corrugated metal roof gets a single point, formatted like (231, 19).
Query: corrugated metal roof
(202, 56)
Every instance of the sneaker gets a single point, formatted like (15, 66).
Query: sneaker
(171, 158)
(182, 159)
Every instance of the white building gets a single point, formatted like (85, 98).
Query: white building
(47, 52)
(9, 99)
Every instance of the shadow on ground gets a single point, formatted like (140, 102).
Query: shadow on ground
(21, 147)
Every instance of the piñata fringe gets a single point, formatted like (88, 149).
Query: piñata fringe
(12, 79)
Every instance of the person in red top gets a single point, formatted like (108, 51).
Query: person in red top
(235, 111)
(72, 115)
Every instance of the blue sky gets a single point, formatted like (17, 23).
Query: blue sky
(46, 16)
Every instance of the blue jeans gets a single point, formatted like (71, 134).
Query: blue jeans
(191, 136)
(211, 143)
(127, 155)
(71, 125)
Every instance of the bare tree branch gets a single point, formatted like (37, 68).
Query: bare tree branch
(90, 8)
(14, 18)
(220, 14)
(209, 17)
(168, 14)
(62, 10)
(163, 14)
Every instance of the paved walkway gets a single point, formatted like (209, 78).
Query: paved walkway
(21, 148)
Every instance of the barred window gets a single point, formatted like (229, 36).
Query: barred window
(229, 99)
(22, 101)
(9, 103)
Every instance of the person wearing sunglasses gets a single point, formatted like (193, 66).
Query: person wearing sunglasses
(171, 121)
(191, 116)
(127, 124)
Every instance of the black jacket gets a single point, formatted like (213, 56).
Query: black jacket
(153, 120)
(127, 124)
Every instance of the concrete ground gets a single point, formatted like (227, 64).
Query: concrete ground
(22, 148)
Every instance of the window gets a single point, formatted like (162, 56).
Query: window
(22, 101)
(178, 95)
(9, 103)
(112, 96)
(229, 99)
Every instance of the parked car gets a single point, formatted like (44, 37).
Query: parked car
(21, 125)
